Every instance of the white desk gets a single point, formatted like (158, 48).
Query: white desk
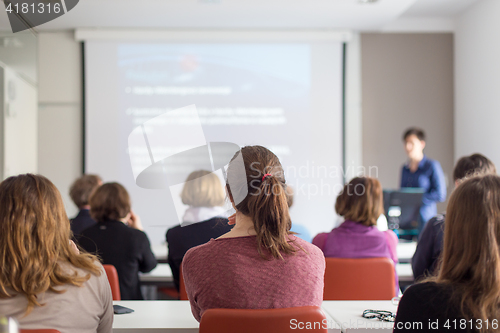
(156, 317)
(406, 251)
(161, 273)
(160, 251)
(167, 317)
(405, 273)
(348, 315)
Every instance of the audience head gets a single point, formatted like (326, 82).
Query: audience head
(471, 252)
(82, 188)
(414, 140)
(110, 202)
(473, 165)
(265, 200)
(361, 201)
(35, 239)
(202, 189)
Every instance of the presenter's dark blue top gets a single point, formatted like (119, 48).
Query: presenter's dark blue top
(429, 176)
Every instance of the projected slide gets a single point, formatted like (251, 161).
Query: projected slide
(284, 96)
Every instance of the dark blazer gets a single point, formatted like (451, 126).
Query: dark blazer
(429, 248)
(125, 248)
(81, 222)
(180, 239)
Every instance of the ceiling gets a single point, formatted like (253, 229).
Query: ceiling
(247, 14)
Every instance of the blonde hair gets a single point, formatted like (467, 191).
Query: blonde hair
(34, 240)
(202, 189)
(471, 251)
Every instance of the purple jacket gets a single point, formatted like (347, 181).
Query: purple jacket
(355, 240)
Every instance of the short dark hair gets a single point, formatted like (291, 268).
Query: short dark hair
(109, 202)
(418, 132)
(475, 164)
(82, 188)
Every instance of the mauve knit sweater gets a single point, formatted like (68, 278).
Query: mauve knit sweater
(230, 273)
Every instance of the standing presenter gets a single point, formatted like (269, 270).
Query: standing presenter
(423, 173)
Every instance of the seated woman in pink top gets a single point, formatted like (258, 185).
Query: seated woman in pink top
(360, 203)
(259, 264)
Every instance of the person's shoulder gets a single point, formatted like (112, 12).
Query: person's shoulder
(427, 292)
(311, 249)
(437, 221)
(431, 163)
(173, 232)
(203, 249)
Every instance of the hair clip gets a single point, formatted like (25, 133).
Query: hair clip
(267, 174)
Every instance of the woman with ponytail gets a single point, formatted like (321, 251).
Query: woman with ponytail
(259, 264)
(464, 295)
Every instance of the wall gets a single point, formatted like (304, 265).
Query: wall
(477, 81)
(18, 124)
(60, 111)
(407, 80)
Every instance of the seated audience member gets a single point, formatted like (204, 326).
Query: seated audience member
(259, 264)
(45, 282)
(464, 296)
(118, 239)
(430, 243)
(80, 192)
(301, 230)
(361, 204)
(202, 221)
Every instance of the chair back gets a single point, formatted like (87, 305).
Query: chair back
(359, 279)
(263, 320)
(44, 330)
(182, 287)
(113, 281)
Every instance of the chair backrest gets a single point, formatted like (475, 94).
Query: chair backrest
(263, 320)
(182, 287)
(44, 330)
(113, 281)
(359, 279)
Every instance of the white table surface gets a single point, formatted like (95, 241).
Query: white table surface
(155, 317)
(168, 316)
(348, 315)
(406, 250)
(161, 273)
(160, 251)
(405, 273)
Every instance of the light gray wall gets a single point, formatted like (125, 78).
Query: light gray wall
(477, 68)
(407, 80)
(60, 111)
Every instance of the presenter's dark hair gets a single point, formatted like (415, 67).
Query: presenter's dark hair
(418, 132)
(266, 202)
(109, 202)
(473, 165)
(361, 201)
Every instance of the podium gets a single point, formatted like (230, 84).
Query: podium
(402, 209)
